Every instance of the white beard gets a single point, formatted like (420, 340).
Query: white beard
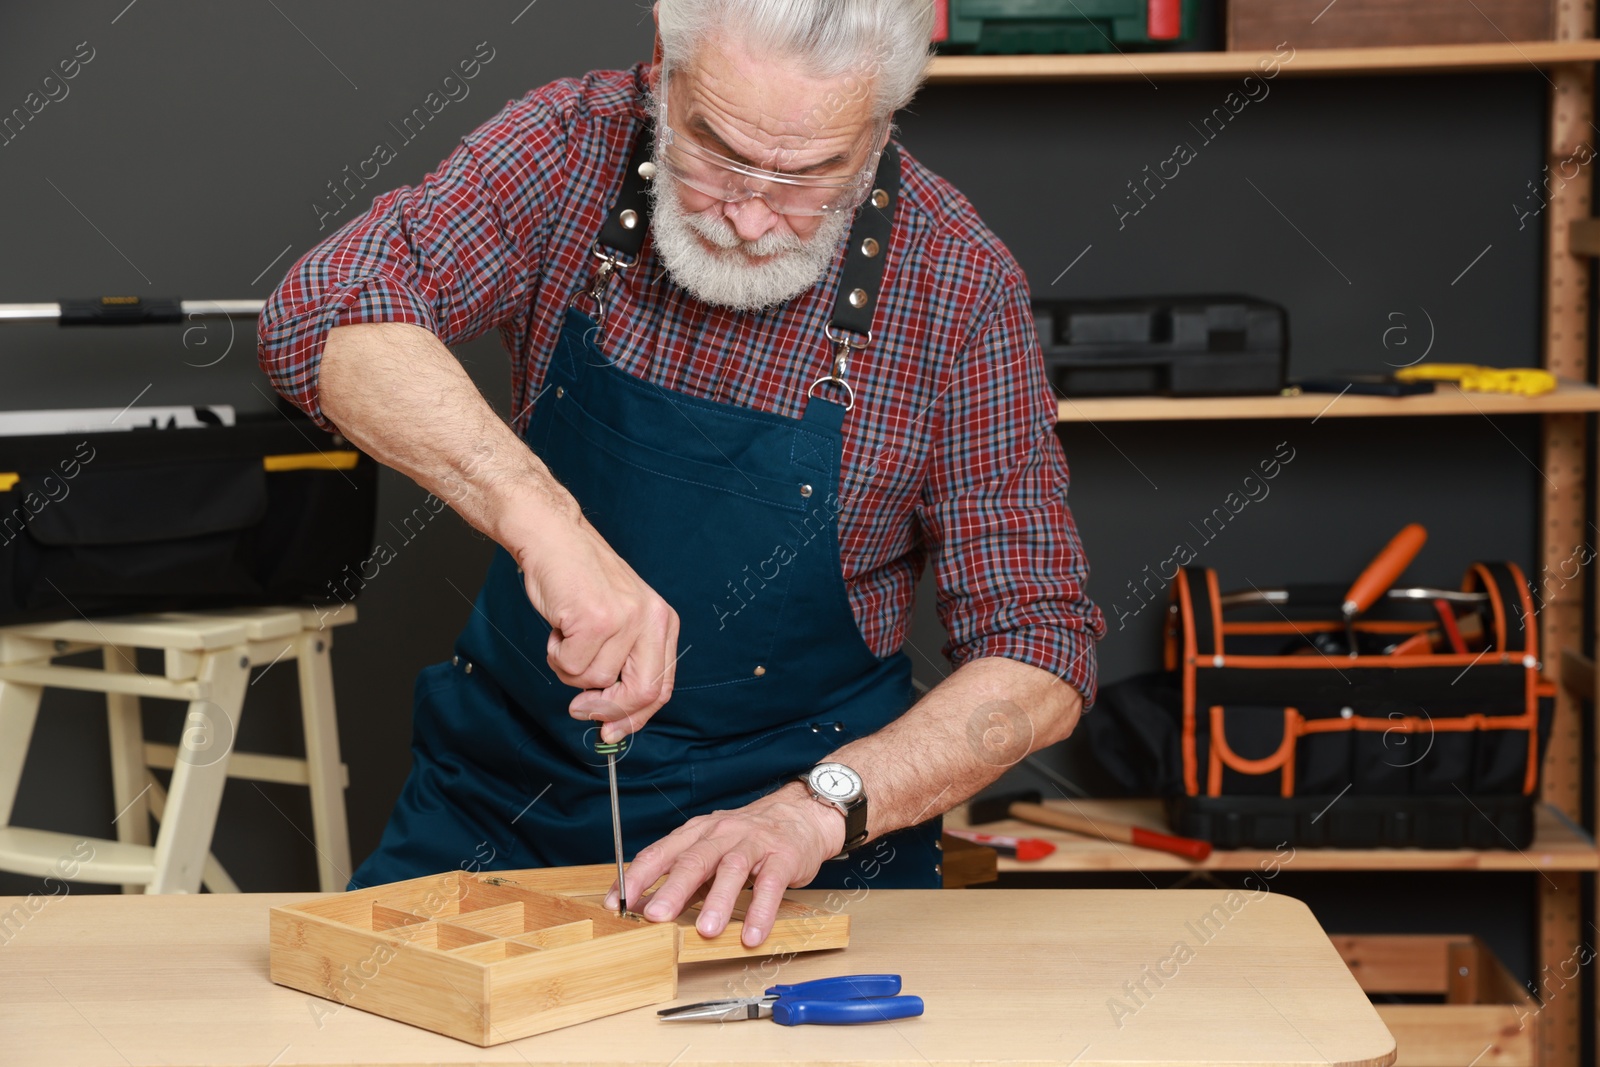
(728, 275)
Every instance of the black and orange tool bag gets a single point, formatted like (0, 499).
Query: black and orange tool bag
(260, 508)
(1297, 715)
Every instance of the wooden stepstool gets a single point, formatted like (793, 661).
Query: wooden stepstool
(208, 656)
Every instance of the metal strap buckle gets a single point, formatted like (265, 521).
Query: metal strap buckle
(841, 364)
(610, 263)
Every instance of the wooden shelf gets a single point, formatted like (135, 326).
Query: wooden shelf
(1129, 66)
(1558, 845)
(1446, 400)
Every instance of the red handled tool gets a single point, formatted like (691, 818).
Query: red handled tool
(1026, 849)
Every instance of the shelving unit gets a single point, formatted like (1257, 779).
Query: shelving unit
(1563, 852)
(1559, 844)
(1125, 66)
(1569, 397)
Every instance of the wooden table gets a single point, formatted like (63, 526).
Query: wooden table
(1009, 977)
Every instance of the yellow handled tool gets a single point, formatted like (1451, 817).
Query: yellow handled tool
(1519, 381)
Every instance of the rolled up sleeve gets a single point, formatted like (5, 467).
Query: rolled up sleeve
(1007, 558)
(452, 255)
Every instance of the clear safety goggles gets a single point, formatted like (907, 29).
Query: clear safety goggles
(732, 182)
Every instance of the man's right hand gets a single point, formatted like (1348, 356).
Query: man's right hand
(611, 634)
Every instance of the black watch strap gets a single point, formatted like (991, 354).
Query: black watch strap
(855, 825)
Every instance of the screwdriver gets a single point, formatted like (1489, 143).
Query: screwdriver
(610, 750)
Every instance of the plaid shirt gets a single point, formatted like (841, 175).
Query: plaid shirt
(950, 453)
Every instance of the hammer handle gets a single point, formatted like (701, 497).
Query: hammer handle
(1111, 831)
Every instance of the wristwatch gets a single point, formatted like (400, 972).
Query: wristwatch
(840, 787)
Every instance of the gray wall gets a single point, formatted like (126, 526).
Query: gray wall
(188, 156)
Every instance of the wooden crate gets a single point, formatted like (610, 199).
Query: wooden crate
(966, 863)
(1261, 25)
(497, 956)
(1486, 1017)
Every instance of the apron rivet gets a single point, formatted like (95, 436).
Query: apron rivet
(805, 490)
(760, 671)
(880, 199)
(869, 248)
(858, 298)
(630, 219)
(647, 171)
(560, 392)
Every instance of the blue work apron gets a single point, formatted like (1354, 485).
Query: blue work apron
(730, 514)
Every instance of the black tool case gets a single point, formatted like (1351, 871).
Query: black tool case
(1164, 346)
(271, 510)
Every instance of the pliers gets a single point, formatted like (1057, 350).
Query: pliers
(848, 999)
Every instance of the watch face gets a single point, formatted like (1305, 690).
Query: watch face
(836, 782)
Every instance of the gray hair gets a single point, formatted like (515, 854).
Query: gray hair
(884, 40)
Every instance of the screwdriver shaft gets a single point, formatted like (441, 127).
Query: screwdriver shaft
(609, 749)
(616, 835)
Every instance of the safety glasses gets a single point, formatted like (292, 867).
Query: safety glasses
(732, 182)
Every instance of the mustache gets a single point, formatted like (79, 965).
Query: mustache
(720, 233)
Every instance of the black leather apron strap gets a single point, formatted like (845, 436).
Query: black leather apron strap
(868, 247)
(629, 218)
(857, 299)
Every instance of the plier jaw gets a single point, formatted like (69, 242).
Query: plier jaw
(724, 1010)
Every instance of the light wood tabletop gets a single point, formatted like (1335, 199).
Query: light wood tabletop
(1085, 977)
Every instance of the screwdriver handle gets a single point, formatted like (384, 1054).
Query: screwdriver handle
(1381, 573)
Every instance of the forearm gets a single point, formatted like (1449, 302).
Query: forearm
(401, 396)
(956, 740)
(960, 737)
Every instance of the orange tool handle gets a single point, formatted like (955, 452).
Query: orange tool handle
(1383, 570)
(1183, 846)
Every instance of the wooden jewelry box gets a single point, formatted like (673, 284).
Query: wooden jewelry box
(496, 956)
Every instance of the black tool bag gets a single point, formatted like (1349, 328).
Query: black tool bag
(1264, 729)
(271, 510)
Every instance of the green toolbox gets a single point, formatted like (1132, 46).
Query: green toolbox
(1009, 27)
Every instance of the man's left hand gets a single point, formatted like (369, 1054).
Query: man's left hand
(780, 840)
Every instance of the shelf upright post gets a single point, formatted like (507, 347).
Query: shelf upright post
(1564, 528)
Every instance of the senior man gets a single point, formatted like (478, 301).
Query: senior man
(766, 368)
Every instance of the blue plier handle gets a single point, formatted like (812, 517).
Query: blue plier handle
(852, 998)
(842, 1001)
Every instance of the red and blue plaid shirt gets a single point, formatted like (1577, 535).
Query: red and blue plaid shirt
(950, 454)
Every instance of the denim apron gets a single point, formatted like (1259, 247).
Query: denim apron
(730, 514)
